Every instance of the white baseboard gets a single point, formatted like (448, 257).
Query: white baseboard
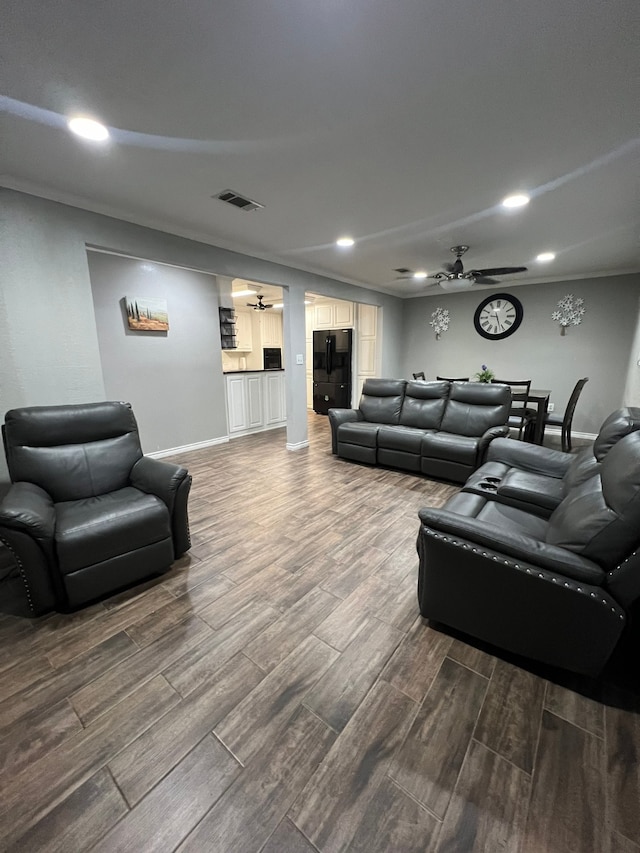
(186, 448)
(300, 445)
(590, 436)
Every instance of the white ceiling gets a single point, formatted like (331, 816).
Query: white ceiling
(401, 123)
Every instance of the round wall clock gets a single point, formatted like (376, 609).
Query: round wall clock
(498, 316)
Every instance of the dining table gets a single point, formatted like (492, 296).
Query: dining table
(540, 398)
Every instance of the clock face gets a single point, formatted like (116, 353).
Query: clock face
(498, 316)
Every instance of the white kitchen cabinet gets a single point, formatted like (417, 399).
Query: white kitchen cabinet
(337, 314)
(255, 401)
(271, 329)
(244, 333)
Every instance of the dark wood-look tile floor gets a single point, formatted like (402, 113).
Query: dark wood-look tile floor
(277, 691)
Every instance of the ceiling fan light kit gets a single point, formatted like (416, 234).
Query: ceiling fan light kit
(455, 271)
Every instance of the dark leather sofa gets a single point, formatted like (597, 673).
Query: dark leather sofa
(86, 513)
(442, 429)
(538, 554)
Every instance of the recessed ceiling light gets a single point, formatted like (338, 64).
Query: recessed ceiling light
(88, 128)
(420, 275)
(518, 200)
(345, 242)
(543, 257)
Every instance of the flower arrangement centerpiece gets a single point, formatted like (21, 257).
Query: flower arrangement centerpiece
(440, 321)
(570, 312)
(485, 375)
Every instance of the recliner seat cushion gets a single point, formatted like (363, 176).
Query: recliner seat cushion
(424, 404)
(92, 530)
(453, 448)
(361, 433)
(408, 440)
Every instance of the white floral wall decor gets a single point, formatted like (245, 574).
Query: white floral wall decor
(570, 311)
(440, 321)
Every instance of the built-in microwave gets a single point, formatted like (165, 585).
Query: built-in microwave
(272, 358)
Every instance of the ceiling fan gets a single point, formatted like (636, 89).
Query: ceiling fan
(455, 271)
(259, 305)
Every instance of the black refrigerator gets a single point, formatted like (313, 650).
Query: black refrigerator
(331, 370)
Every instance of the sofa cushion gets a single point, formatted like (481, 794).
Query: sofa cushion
(381, 400)
(513, 519)
(454, 448)
(424, 404)
(474, 407)
(92, 530)
(401, 438)
(600, 518)
(358, 432)
(583, 466)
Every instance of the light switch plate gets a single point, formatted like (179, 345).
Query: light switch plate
(299, 358)
(551, 407)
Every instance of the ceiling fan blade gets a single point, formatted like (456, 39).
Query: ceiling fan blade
(498, 271)
(483, 279)
(448, 267)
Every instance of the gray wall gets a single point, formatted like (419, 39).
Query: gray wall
(599, 348)
(170, 378)
(50, 351)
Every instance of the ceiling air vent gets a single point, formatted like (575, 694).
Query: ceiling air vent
(238, 201)
(402, 270)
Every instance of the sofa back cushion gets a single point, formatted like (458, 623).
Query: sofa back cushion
(72, 452)
(424, 404)
(600, 518)
(616, 426)
(475, 407)
(381, 400)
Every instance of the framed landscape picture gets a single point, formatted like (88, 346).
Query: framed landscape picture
(147, 314)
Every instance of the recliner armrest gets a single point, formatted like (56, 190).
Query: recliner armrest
(341, 416)
(161, 479)
(29, 509)
(530, 457)
(513, 544)
(488, 438)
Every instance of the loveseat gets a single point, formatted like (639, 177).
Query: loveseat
(442, 429)
(538, 553)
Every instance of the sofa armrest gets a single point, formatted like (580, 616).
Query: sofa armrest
(341, 416)
(29, 509)
(488, 438)
(514, 544)
(530, 457)
(162, 479)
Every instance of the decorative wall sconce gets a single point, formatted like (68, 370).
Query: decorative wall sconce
(440, 321)
(571, 310)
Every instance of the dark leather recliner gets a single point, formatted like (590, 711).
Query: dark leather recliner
(87, 513)
(539, 554)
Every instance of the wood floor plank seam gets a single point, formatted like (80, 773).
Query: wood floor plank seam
(415, 800)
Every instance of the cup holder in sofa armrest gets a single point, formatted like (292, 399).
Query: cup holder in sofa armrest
(493, 479)
(488, 487)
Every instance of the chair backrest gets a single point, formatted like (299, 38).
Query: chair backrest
(519, 390)
(72, 452)
(573, 399)
(449, 379)
(381, 400)
(474, 407)
(419, 375)
(424, 404)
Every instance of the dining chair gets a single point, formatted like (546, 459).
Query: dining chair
(565, 420)
(449, 379)
(520, 417)
(419, 375)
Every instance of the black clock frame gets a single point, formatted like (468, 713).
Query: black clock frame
(516, 323)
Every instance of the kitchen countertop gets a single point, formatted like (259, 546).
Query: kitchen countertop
(260, 370)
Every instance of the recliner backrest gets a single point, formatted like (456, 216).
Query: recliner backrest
(616, 426)
(72, 452)
(475, 407)
(600, 518)
(424, 404)
(381, 400)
